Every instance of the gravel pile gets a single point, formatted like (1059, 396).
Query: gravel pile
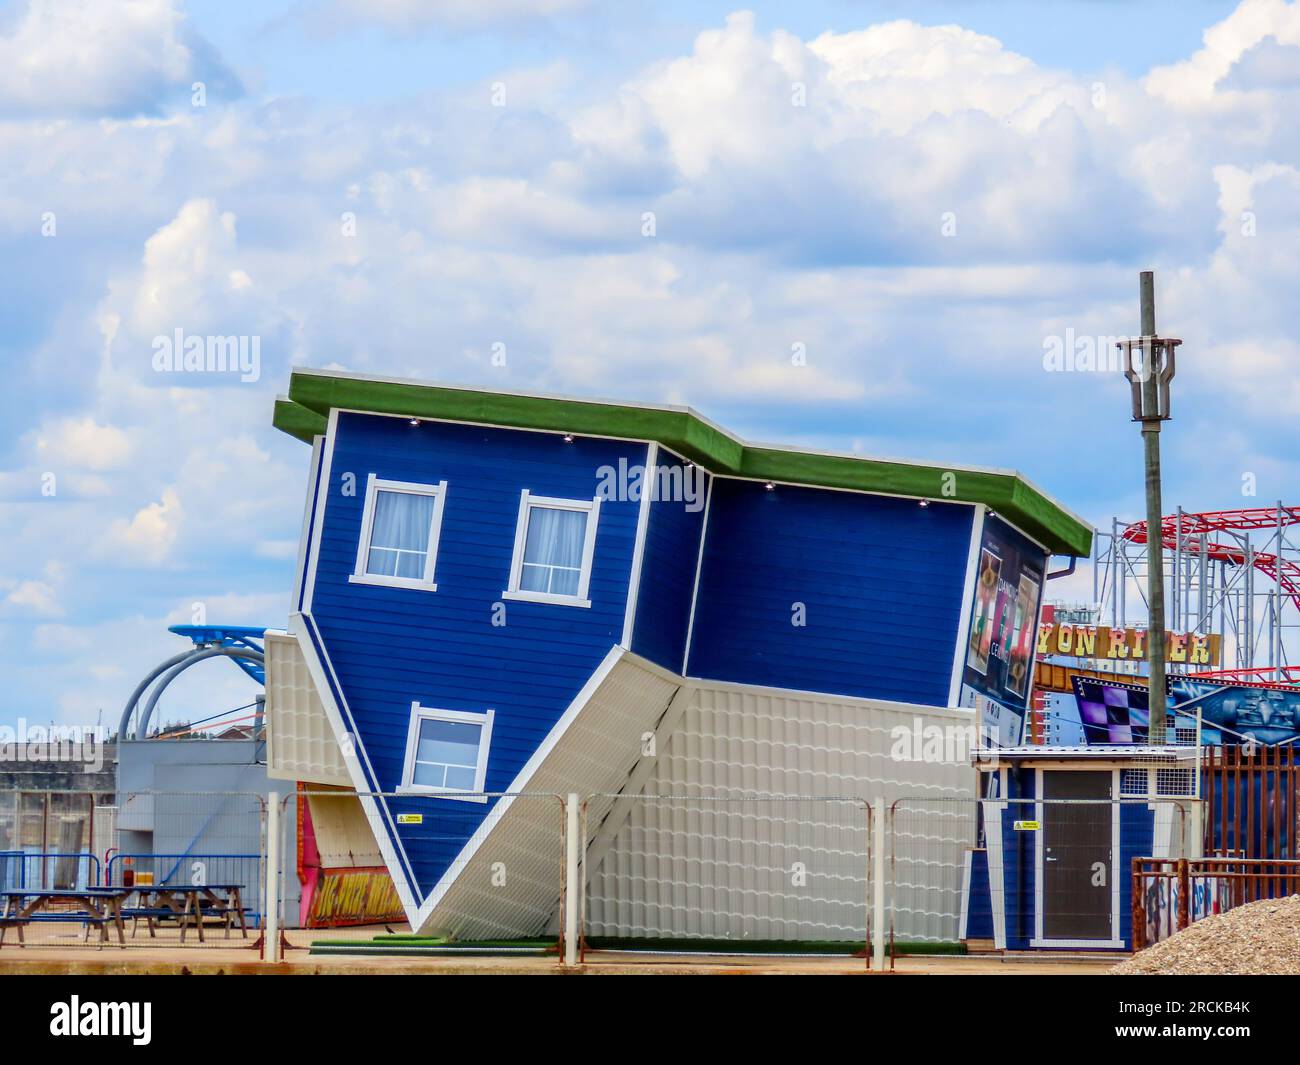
(1261, 939)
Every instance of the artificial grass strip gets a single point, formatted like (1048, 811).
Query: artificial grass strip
(433, 945)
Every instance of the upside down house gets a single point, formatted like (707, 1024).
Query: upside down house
(501, 596)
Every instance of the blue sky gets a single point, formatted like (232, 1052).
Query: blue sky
(925, 197)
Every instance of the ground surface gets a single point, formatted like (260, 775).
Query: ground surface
(233, 960)
(61, 948)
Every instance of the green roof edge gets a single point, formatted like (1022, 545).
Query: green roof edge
(313, 394)
(297, 420)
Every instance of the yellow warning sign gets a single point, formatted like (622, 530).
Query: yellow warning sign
(1027, 826)
(410, 819)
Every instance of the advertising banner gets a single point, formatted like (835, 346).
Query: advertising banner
(1239, 713)
(1115, 711)
(1003, 629)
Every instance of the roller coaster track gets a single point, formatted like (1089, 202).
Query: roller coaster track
(1284, 572)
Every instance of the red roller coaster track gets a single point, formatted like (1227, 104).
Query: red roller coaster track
(1284, 571)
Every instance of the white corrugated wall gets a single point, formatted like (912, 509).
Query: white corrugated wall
(509, 883)
(300, 743)
(787, 870)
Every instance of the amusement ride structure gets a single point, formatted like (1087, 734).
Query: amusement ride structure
(1233, 572)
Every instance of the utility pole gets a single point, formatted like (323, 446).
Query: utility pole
(1149, 379)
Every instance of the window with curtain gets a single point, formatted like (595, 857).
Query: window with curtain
(554, 543)
(446, 750)
(399, 533)
(399, 536)
(553, 551)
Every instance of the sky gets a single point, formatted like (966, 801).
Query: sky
(652, 202)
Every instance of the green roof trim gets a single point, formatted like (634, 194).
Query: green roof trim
(299, 421)
(312, 394)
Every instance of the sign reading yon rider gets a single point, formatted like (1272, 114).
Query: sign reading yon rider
(1102, 641)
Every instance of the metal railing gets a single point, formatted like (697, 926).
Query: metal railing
(48, 869)
(1169, 895)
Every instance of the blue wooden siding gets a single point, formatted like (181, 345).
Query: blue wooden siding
(979, 900)
(672, 546)
(881, 580)
(1019, 861)
(390, 646)
(1137, 836)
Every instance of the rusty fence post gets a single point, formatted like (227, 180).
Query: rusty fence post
(1139, 921)
(1184, 893)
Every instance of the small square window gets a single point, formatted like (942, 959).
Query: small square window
(400, 523)
(446, 751)
(1133, 782)
(555, 541)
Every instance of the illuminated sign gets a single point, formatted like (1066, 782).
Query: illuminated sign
(1122, 645)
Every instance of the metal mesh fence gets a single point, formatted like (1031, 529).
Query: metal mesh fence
(790, 874)
(753, 870)
(475, 869)
(1022, 873)
(148, 869)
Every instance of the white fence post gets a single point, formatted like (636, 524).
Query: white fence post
(571, 888)
(271, 918)
(878, 853)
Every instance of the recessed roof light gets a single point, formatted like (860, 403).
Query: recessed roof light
(770, 486)
(415, 421)
(568, 438)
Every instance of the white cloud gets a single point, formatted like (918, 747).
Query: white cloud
(1193, 81)
(37, 597)
(83, 57)
(147, 537)
(82, 443)
(777, 225)
(463, 14)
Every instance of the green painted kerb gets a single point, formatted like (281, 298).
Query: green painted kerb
(312, 395)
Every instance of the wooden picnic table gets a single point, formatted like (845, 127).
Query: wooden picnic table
(99, 905)
(191, 903)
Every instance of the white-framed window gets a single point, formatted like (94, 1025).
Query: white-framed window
(400, 523)
(447, 751)
(555, 541)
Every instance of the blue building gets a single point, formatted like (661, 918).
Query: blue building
(506, 593)
(1057, 833)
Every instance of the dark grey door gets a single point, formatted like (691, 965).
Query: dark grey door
(1077, 865)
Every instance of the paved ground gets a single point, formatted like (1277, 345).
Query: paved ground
(217, 960)
(58, 947)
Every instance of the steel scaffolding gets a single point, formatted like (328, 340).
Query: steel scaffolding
(1233, 572)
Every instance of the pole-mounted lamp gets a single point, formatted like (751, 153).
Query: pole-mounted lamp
(1149, 367)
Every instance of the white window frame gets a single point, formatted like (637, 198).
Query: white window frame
(374, 485)
(430, 713)
(527, 501)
